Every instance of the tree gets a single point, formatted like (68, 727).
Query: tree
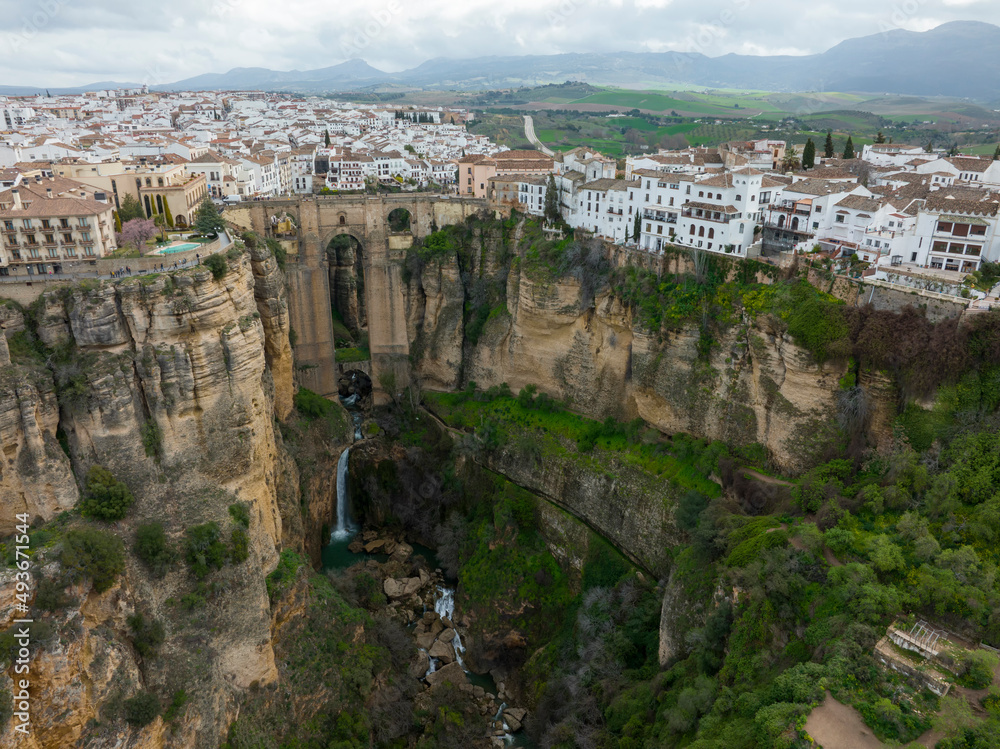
(849, 149)
(118, 219)
(161, 224)
(106, 497)
(130, 209)
(326, 138)
(637, 229)
(137, 232)
(167, 215)
(89, 552)
(879, 138)
(791, 162)
(551, 201)
(141, 709)
(929, 147)
(207, 219)
(809, 155)
(996, 153)
(828, 148)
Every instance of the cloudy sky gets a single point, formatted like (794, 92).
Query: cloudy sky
(63, 43)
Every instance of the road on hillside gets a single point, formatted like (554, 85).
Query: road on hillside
(529, 131)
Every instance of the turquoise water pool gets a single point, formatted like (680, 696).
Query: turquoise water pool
(179, 248)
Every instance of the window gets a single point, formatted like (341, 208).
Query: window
(818, 209)
(84, 222)
(26, 223)
(739, 198)
(961, 230)
(711, 234)
(149, 182)
(85, 236)
(975, 231)
(648, 227)
(840, 218)
(701, 193)
(913, 257)
(30, 238)
(45, 224)
(815, 224)
(50, 239)
(64, 223)
(8, 225)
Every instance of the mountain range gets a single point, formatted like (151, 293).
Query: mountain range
(955, 59)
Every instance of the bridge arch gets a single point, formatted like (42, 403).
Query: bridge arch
(346, 254)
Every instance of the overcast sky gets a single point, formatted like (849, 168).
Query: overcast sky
(63, 43)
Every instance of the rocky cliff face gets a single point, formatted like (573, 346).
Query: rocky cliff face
(172, 382)
(755, 385)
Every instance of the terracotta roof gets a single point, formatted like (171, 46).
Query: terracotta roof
(710, 207)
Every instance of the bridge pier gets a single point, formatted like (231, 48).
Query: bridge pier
(365, 217)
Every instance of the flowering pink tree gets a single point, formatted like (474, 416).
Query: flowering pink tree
(136, 232)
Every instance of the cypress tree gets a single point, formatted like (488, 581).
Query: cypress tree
(828, 148)
(551, 201)
(326, 138)
(637, 229)
(167, 215)
(809, 155)
(880, 138)
(118, 219)
(996, 154)
(849, 148)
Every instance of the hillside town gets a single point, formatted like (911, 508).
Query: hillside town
(894, 212)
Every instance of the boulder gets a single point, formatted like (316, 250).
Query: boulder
(419, 665)
(443, 651)
(517, 713)
(447, 635)
(401, 588)
(425, 579)
(451, 673)
(513, 724)
(437, 627)
(479, 692)
(402, 552)
(356, 546)
(374, 546)
(425, 640)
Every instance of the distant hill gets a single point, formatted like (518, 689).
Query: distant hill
(955, 59)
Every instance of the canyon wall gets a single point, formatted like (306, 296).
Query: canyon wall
(754, 385)
(174, 382)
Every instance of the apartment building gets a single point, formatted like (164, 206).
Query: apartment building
(48, 221)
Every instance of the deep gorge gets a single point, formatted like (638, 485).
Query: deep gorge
(632, 480)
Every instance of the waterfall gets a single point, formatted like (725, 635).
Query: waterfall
(444, 607)
(344, 528)
(498, 718)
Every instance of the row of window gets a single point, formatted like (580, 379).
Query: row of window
(30, 239)
(957, 248)
(961, 230)
(26, 223)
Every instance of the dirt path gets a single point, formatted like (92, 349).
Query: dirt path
(831, 559)
(834, 725)
(767, 479)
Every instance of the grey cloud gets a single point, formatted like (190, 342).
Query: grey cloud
(63, 43)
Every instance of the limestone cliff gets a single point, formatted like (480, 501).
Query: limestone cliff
(172, 382)
(754, 385)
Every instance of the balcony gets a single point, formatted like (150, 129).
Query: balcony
(787, 206)
(669, 218)
(716, 217)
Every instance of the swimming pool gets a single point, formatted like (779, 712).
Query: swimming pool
(178, 248)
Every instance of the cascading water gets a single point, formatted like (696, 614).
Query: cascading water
(444, 607)
(344, 528)
(498, 718)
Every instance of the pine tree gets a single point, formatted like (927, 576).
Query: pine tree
(130, 209)
(551, 201)
(207, 219)
(880, 138)
(809, 155)
(929, 147)
(849, 148)
(828, 148)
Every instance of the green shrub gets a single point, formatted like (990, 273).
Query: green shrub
(180, 699)
(977, 669)
(152, 548)
(311, 404)
(106, 498)
(51, 595)
(239, 546)
(217, 264)
(93, 553)
(288, 564)
(203, 550)
(151, 438)
(141, 709)
(240, 514)
(147, 634)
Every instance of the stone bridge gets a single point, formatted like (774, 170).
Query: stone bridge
(319, 220)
